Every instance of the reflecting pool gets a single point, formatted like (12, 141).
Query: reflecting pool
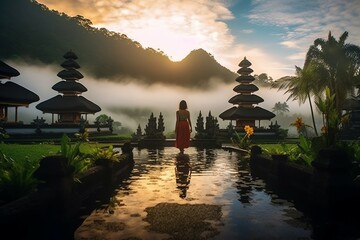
(203, 194)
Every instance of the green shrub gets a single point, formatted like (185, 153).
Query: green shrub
(100, 153)
(16, 177)
(72, 153)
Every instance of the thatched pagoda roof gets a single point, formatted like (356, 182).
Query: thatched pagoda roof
(245, 99)
(245, 88)
(69, 86)
(245, 63)
(242, 98)
(68, 104)
(70, 55)
(70, 74)
(242, 113)
(245, 78)
(12, 94)
(69, 64)
(7, 72)
(245, 71)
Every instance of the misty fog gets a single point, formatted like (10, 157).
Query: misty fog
(131, 103)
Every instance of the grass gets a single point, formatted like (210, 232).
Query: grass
(277, 148)
(38, 151)
(30, 151)
(18, 162)
(113, 137)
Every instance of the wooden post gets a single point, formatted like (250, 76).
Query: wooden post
(16, 114)
(6, 114)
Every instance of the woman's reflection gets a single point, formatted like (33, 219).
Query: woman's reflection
(182, 173)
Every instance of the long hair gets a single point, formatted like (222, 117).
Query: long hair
(183, 105)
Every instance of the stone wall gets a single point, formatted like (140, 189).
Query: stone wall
(327, 184)
(52, 211)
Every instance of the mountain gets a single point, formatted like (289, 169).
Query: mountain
(30, 31)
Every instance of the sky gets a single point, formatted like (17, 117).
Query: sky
(274, 35)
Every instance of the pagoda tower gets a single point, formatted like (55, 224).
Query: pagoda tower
(244, 112)
(69, 105)
(12, 94)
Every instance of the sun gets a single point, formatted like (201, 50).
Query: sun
(160, 35)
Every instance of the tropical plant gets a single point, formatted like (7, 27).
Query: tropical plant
(307, 148)
(303, 152)
(280, 108)
(301, 87)
(244, 141)
(338, 65)
(71, 152)
(99, 153)
(16, 177)
(301, 127)
(331, 117)
(3, 133)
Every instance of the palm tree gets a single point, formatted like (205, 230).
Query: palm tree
(302, 86)
(280, 108)
(337, 65)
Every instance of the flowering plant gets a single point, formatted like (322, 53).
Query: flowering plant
(331, 117)
(244, 142)
(301, 127)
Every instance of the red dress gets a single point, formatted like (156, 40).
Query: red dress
(182, 132)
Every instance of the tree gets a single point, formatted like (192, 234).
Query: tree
(153, 130)
(302, 86)
(117, 126)
(161, 126)
(102, 119)
(280, 108)
(138, 134)
(138, 131)
(263, 79)
(211, 126)
(339, 65)
(150, 129)
(199, 128)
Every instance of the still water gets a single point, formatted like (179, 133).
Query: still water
(204, 194)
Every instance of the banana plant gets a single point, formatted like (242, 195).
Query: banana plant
(331, 117)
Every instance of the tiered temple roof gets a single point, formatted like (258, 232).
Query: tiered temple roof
(245, 113)
(12, 94)
(69, 104)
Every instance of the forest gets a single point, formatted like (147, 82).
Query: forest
(33, 33)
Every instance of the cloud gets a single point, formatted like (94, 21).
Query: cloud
(290, 44)
(247, 31)
(305, 21)
(131, 103)
(175, 27)
(262, 61)
(297, 56)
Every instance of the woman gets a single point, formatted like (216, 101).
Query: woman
(183, 127)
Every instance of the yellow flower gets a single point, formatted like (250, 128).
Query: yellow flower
(249, 130)
(298, 123)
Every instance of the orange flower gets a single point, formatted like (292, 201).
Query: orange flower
(298, 123)
(249, 130)
(324, 129)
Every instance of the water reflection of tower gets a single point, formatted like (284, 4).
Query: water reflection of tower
(182, 173)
